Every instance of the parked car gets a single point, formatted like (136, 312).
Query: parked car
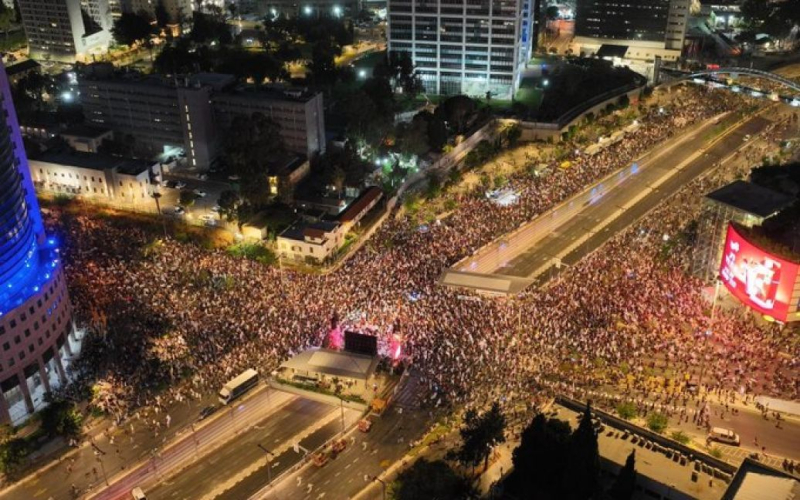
(179, 210)
(180, 185)
(207, 412)
(200, 193)
(171, 184)
(723, 435)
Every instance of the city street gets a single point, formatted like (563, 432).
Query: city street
(580, 225)
(368, 455)
(237, 469)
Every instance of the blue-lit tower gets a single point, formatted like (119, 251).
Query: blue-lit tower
(37, 335)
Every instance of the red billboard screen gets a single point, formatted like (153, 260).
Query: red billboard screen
(757, 278)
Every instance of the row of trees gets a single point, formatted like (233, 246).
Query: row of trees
(551, 462)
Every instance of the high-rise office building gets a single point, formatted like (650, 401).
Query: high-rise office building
(66, 30)
(631, 29)
(37, 335)
(464, 46)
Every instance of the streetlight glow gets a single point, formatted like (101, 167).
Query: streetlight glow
(337, 11)
(307, 10)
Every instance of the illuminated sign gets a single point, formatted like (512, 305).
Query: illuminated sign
(760, 280)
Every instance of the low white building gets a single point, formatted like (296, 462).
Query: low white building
(93, 175)
(312, 242)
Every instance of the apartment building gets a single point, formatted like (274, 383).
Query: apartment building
(66, 30)
(464, 46)
(637, 30)
(191, 114)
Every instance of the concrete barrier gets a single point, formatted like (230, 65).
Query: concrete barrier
(705, 461)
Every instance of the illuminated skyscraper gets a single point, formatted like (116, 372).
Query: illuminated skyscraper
(464, 47)
(37, 336)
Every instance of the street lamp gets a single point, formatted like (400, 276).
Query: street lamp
(362, 73)
(307, 10)
(269, 467)
(337, 11)
(368, 478)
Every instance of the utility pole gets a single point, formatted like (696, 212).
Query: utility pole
(269, 467)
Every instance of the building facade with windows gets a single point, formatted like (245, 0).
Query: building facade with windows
(96, 175)
(38, 339)
(639, 30)
(298, 112)
(191, 114)
(464, 46)
(66, 30)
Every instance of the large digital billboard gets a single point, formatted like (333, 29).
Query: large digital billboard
(757, 278)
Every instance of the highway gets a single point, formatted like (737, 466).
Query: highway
(238, 468)
(368, 455)
(583, 223)
(224, 426)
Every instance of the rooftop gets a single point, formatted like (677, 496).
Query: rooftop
(756, 481)
(333, 363)
(95, 161)
(21, 67)
(607, 50)
(80, 130)
(751, 198)
(270, 92)
(299, 230)
(358, 205)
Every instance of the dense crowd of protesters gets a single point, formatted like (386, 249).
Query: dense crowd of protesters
(160, 312)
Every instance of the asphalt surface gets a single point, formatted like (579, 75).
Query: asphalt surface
(627, 202)
(694, 169)
(225, 425)
(236, 455)
(370, 453)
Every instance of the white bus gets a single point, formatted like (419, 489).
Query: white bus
(238, 386)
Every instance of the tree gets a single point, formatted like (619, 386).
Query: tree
(458, 111)
(162, 16)
(626, 410)
(132, 28)
(323, 66)
(413, 137)
(552, 12)
(582, 480)
(625, 484)
(207, 28)
(480, 434)
(437, 132)
(513, 133)
(7, 18)
(427, 479)
(657, 422)
(229, 202)
(12, 453)
(540, 459)
(60, 418)
(252, 143)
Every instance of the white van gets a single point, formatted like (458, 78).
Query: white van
(722, 435)
(138, 494)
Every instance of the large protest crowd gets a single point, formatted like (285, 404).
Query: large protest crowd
(172, 320)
